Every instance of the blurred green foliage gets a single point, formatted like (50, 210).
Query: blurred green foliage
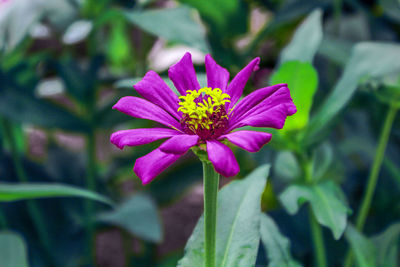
(64, 64)
(302, 79)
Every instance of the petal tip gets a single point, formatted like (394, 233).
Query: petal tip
(292, 110)
(222, 158)
(186, 57)
(114, 140)
(232, 173)
(208, 57)
(120, 102)
(145, 180)
(256, 64)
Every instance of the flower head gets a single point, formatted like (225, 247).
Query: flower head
(201, 116)
(204, 113)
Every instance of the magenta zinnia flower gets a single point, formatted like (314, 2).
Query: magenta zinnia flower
(201, 116)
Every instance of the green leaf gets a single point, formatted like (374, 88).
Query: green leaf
(352, 27)
(276, 245)
(380, 250)
(336, 50)
(22, 191)
(138, 215)
(226, 17)
(321, 161)
(363, 248)
(302, 80)
(173, 24)
(119, 47)
(386, 244)
(306, 40)
(13, 250)
(326, 202)
(238, 211)
(286, 166)
(368, 59)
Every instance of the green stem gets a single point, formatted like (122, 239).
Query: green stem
(316, 230)
(373, 175)
(349, 259)
(211, 181)
(318, 240)
(34, 212)
(376, 167)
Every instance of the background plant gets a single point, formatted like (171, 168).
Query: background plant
(64, 63)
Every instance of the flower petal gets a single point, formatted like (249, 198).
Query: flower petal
(179, 144)
(221, 156)
(251, 141)
(143, 109)
(271, 112)
(154, 89)
(152, 164)
(183, 75)
(272, 118)
(236, 86)
(217, 76)
(251, 100)
(137, 137)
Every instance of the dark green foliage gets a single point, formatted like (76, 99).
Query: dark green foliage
(65, 63)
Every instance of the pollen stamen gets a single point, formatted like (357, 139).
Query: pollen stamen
(204, 112)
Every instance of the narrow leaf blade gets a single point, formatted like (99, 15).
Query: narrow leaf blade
(306, 40)
(22, 191)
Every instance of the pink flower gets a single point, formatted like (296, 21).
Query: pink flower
(201, 116)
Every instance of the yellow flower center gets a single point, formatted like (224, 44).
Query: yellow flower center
(204, 110)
